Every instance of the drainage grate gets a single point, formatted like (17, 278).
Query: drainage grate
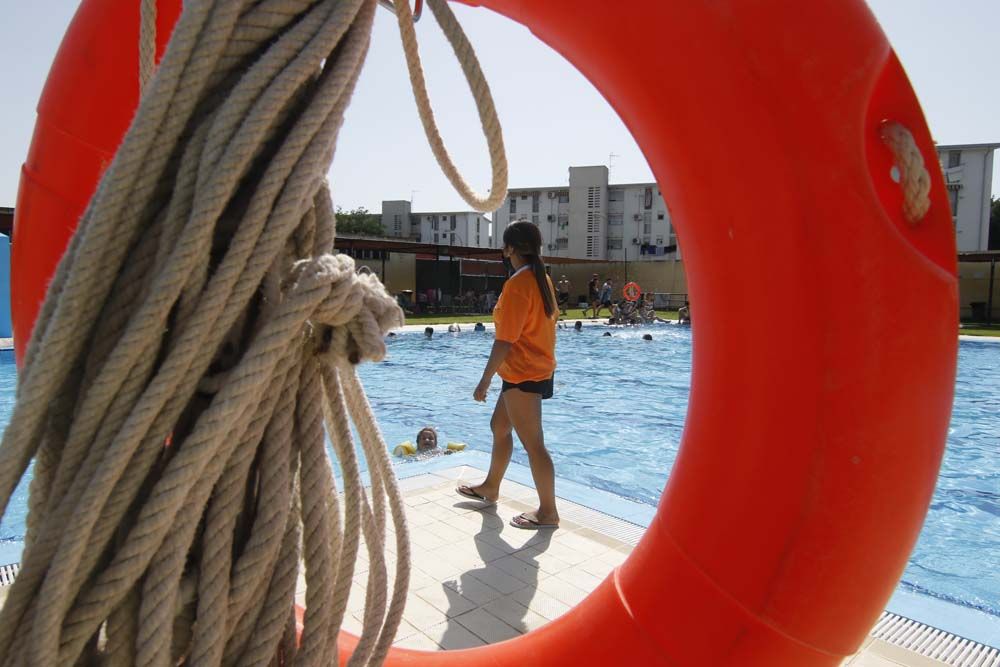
(934, 643)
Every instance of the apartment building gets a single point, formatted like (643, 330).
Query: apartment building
(590, 218)
(464, 228)
(968, 174)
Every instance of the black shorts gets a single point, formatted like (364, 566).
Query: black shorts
(543, 387)
(563, 297)
(606, 303)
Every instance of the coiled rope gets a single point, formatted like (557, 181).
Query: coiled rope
(196, 343)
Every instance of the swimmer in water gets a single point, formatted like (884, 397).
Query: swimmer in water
(427, 439)
(428, 332)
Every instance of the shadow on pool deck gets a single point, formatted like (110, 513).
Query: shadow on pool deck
(513, 613)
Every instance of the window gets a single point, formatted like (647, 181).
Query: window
(646, 222)
(434, 225)
(659, 240)
(614, 244)
(616, 195)
(534, 201)
(477, 239)
(614, 218)
(478, 221)
(563, 219)
(453, 223)
(591, 246)
(524, 197)
(513, 204)
(660, 215)
(562, 244)
(444, 218)
(592, 222)
(534, 219)
(953, 197)
(397, 223)
(435, 238)
(954, 159)
(563, 197)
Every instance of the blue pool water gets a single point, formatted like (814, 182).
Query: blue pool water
(615, 424)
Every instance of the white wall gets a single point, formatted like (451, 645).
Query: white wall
(971, 181)
(396, 218)
(588, 212)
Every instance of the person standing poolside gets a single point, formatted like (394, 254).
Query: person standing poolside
(592, 295)
(564, 289)
(524, 356)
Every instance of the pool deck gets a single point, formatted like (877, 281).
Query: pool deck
(476, 580)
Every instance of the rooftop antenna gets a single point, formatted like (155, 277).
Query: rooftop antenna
(611, 161)
(413, 195)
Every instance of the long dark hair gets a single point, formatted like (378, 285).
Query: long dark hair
(525, 239)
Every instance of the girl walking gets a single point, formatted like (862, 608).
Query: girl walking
(524, 356)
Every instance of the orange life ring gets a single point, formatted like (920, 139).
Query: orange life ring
(631, 291)
(791, 508)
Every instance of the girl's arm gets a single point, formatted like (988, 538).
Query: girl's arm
(499, 352)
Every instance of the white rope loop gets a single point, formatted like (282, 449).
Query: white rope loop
(480, 92)
(914, 179)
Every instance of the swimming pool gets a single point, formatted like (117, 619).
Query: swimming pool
(616, 421)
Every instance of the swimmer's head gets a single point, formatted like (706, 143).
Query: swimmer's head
(607, 333)
(428, 331)
(578, 325)
(427, 439)
(647, 337)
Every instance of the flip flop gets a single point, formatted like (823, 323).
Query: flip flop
(467, 492)
(525, 522)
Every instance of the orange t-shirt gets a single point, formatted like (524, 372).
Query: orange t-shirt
(520, 319)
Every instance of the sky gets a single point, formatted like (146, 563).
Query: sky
(552, 117)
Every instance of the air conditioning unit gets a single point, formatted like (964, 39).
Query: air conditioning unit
(637, 217)
(551, 218)
(552, 195)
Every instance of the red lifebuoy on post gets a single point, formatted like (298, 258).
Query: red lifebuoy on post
(631, 291)
(791, 508)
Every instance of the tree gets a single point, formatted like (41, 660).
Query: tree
(994, 239)
(359, 221)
